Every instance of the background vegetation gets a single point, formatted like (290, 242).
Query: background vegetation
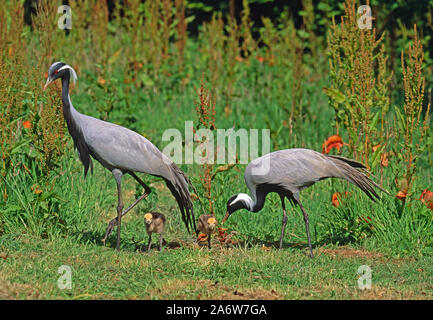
(304, 70)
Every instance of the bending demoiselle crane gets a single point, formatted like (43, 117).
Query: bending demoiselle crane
(121, 151)
(287, 172)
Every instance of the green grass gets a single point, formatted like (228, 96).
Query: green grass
(65, 223)
(251, 269)
(29, 268)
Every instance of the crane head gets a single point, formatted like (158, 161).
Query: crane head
(237, 202)
(59, 70)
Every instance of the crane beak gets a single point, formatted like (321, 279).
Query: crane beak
(47, 83)
(225, 217)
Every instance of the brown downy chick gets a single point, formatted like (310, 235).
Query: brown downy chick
(154, 222)
(207, 225)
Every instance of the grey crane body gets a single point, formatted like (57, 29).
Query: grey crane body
(287, 172)
(110, 143)
(121, 151)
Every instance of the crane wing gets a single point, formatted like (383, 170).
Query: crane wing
(296, 169)
(117, 147)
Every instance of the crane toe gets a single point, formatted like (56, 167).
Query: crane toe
(109, 229)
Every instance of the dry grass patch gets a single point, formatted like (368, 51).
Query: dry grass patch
(207, 289)
(15, 291)
(348, 252)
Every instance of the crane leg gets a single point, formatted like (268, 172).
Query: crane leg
(113, 222)
(283, 228)
(306, 227)
(208, 241)
(117, 174)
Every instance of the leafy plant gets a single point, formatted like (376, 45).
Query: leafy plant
(359, 93)
(413, 125)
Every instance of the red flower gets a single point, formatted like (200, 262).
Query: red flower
(260, 59)
(334, 141)
(239, 59)
(335, 199)
(101, 81)
(368, 221)
(384, 159)
(401, 195)
(427, 198)
(27, 124)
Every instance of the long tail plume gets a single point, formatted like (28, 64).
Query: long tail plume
(178, 186)
(349, 170)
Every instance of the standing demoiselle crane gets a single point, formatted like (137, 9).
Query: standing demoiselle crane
(121, 151)
(289, 171)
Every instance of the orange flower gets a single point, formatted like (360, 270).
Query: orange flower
(384, 159)
(36, 189)
(260, 59)
(401, 195)
(46, 75)
(27, 124)
(335, 200)
(375, 147)
(337, 197)
(334, 141)
(101, 81)
(239, 59)
(427, 198)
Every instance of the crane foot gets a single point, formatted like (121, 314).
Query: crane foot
(110, 228)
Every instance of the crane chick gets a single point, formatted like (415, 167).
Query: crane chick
(207, 225)
(154, 222)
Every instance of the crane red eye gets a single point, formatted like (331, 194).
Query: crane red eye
(56, 72)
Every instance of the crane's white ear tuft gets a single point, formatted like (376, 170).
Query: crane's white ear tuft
(72, 72)
(244, 198)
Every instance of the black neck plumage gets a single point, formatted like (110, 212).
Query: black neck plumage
(73, 127)
(259, 201)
